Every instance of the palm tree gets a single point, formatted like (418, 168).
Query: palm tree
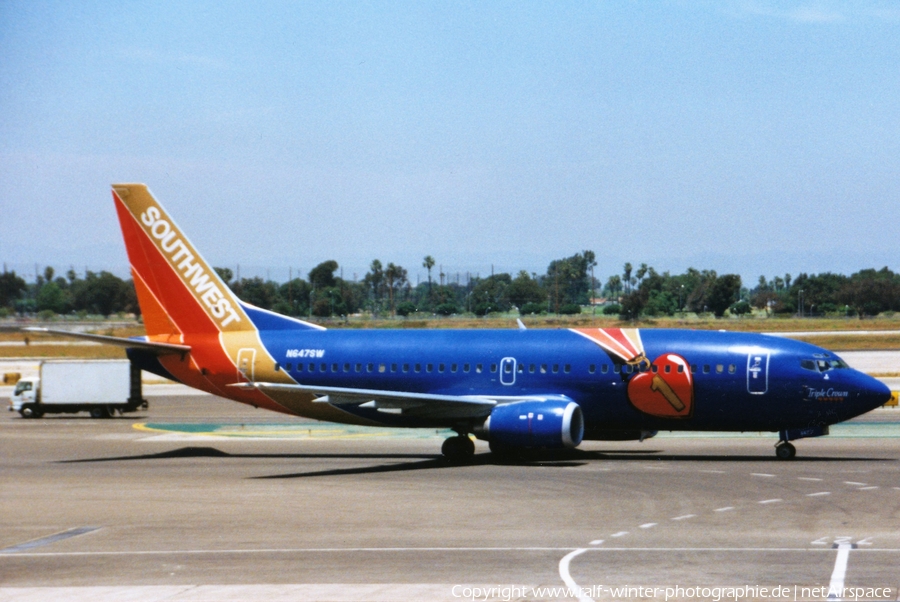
(428, 263)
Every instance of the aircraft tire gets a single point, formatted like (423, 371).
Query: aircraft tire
(785, 451)
(458, 449)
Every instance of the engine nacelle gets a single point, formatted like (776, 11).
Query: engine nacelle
(548, 424)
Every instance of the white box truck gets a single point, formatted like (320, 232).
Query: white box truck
(101, 387)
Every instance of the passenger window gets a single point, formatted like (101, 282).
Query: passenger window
(543, 368)
(493, 368)
(289, 366)
(346, 367)
(732, 368)
(669, 368)
(521, 368)
(531, 368)
(604, 368)
(705, 368)
(617, 368)
(334, 367)
(370, 367)
(429, 367)
(418, 367)
(323, 367)
(654, 368)
(359, 367)
(406, 367)
(440, 367)
(680, 368)
(393, 367)
(299, 367)
(277, 366)
(312, 367)
(381, 368)
(478, 368)
(465, 367)
(693, 368)
(555, 368)
(720, 368)
(507, 368)
(627, 368)
(592, 368)
(453, 368)
(567, 368)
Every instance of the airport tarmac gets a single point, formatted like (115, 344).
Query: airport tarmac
(203, 499)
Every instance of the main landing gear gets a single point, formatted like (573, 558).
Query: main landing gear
(785, 451)
(459, 448)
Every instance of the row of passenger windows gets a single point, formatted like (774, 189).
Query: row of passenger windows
(507, 368)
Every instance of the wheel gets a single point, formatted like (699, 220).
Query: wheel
(785, 451)
(458, 449)
(29, 410)
(103, 412)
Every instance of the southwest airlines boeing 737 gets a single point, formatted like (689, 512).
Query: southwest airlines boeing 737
(516, 389)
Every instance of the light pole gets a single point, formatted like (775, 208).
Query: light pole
(800, 301)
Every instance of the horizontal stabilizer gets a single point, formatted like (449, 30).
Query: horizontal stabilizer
(150, 346)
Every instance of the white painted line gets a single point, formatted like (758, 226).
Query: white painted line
(809, 479)
(853, 483)
(567, 578)
(725, 509)
(596, 542)
(684, 517)
(619, 534)
(714, 471)
(772, 501)
(648, 525)
(836, 586)
(869, 488)
(467, 550)
(818, 493)
(761, 474)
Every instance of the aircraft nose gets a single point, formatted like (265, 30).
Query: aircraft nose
(873, 393)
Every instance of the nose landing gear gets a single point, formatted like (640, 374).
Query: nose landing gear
(785, 451)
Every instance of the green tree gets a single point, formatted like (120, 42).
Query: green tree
(11, 287)
(322, 276)
(395, 277)
(489, 295)
(523, 289)
(723, 291)
(428, 263)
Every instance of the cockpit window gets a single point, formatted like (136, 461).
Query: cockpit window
(823, 365)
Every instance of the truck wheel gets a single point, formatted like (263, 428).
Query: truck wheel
(30, 410)
(99, 412)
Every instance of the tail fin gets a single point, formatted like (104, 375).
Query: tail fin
(178, 291)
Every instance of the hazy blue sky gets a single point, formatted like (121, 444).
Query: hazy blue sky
(752, 137)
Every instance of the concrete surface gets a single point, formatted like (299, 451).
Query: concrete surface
(204, 502)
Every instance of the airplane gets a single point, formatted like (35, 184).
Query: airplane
(518, 389)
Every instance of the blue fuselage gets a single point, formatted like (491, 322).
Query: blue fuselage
(741, 382)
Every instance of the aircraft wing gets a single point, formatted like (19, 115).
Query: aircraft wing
(420, 405)
(150, 346)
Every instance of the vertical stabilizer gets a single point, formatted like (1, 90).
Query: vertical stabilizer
(178, 291)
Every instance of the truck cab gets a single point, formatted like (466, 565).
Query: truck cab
(26, 397)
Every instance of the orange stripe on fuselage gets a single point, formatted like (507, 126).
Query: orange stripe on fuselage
(194, 324)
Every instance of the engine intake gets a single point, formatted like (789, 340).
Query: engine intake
(547, 424)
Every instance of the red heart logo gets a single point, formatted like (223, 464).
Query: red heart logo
(666, 390)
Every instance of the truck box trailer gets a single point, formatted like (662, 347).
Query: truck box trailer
(101, 387)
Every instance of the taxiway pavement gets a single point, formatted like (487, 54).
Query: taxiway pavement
(206, 499)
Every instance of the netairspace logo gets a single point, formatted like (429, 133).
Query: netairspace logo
(506, 593)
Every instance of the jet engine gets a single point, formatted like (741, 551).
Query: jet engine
(551, 424)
